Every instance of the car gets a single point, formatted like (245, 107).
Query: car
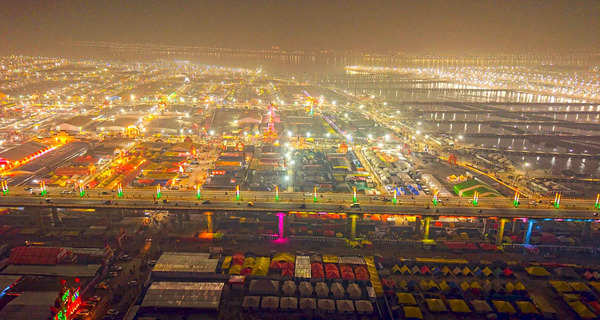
(103, 285)
(132, 283)
(355, 205)
(66, 192)
(124, 257)
(206, 202)
(113, 274)
(30, 189)
(250, 204)
(107, 202)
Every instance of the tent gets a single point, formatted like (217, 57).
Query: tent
(486, 271)
(538, 272)
(364, 306)
(579, 286)
(347, 272)
(396, 269)
(326, 305)
(595, 285)
(308, 304)
(412, 313)
(436, 305)
(361, 273)
(425, 270)
(456, 271)
(305, 288)
(344, 306)
(415, 270)
(560, 286)
(504, 307)
(466, 271)
(406, 298)
(264, 287)
(458, 306)
(322, 290)
(526, 307)
(582, 311)
(445, 270)
(481, 306)
(444, 286)
(251, 302)
(288, 288)
(289, 303)
(354, 291)
(269, 303)
(331, 271)
(507, 272)
(226, 263)
(566, 273)
(405, 270)
(316, 269)
(337, 290)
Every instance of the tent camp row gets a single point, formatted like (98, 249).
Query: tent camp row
(473, 287)
(305, 289)
(460, 306)
(457, 271)
(273, 303)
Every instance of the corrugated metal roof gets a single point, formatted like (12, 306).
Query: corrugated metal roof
(64, 270)
(185, 262)
(201, 295)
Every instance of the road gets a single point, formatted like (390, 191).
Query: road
(404, 207)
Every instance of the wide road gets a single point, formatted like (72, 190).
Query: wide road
(198, 206)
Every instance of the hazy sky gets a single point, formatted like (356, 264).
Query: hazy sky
(436, 26)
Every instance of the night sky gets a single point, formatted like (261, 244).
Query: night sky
(419, 26)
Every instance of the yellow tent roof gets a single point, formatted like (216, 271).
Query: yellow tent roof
(406, 298)
(520, 287)
(458, 306)
(504, 307)
(579, 286)
(582, 311)
(560, 286)
(464, 286)
(412, 313)
(486, 271)
(537, 271)
(481, 306)
(444, 286)
(526, 307)
(509, 287)
(226, 262)
(436, 305)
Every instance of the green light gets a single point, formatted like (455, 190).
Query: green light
(516, 203)
(120, 194)
(44, 192)
(158, 194)
(198, 194)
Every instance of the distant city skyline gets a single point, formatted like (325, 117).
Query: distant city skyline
(413, 27)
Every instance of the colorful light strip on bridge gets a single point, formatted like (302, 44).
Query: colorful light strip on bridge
(516, 199)
(43, 190)
(4, 187)
(475, 199)
(315, 194)
(557, 200)
(276, 193)
(237, 192)
(120, 190)
(158, 192)
(198, 192)
(597, 204)
(435, 199)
